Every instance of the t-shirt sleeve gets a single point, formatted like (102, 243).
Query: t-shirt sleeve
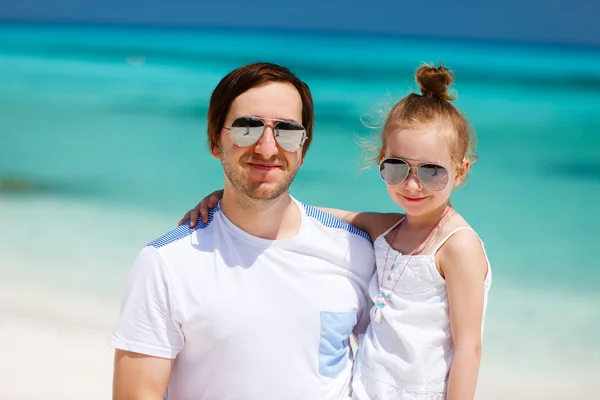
(146, 324)
(364, 315)
(363, 265)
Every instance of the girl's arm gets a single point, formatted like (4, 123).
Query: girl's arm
(373, 223)
(464, 266)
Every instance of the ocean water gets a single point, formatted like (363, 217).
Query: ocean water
(103, 148)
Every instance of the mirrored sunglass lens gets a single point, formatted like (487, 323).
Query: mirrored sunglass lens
(246, 131)
(392, 171)
(433, 177)
(289, 135)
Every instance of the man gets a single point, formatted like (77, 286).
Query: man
(260, 301)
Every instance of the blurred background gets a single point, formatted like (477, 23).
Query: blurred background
(103, 149)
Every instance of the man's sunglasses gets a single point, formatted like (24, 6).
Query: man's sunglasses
(246, 131)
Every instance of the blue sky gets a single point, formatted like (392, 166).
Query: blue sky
(554, 21)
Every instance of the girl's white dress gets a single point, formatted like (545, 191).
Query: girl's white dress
(408, 355)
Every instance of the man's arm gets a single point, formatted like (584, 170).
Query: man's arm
(147, 337)
(140, 377)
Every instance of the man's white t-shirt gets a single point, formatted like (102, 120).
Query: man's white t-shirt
(250, 318)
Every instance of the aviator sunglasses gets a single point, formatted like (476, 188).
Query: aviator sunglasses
(432, 177)
(246, 131)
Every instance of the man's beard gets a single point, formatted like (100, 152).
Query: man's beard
(256, 190)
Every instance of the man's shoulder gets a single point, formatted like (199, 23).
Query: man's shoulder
(177, 236)
(329, 222)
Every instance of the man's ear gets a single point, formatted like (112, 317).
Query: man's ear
(215, 152)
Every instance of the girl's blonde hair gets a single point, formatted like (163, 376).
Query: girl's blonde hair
(433, 106)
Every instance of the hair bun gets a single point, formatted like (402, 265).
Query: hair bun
(435, 81)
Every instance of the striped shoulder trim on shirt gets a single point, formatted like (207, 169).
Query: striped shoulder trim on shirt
(183, 231)
(333, 222)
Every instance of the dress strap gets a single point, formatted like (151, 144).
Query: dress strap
(444, 240)
(393, 226)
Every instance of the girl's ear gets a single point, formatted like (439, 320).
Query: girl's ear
(462, 171)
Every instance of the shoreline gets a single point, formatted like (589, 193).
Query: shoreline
(58, 303)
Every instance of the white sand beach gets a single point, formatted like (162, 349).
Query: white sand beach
(49, 351)
(53, 348)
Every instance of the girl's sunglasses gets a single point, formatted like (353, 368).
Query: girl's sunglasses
(246, 131)
(432, 177)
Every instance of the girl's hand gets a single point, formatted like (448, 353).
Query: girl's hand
(201, 209)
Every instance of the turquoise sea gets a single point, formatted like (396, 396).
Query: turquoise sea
(102, 149)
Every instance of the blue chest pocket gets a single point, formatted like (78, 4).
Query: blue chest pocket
(336, 328)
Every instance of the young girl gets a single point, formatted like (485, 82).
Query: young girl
(433, 277)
